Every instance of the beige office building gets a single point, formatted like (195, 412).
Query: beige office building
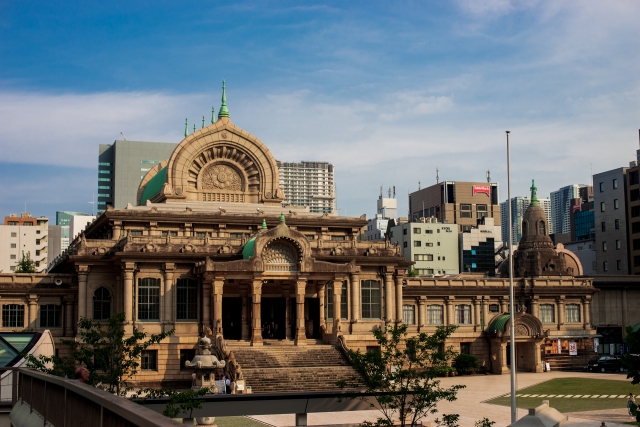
(23, 234)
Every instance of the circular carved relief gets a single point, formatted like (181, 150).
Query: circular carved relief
(223, 135)
(522, 330)
(221, 177)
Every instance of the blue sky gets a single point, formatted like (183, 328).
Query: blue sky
(387, 91)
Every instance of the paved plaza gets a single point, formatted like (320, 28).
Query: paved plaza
(470, 404)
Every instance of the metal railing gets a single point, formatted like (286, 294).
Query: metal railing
(62, 402)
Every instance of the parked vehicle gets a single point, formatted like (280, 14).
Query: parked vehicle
(605, 363)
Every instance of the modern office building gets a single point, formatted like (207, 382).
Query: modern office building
(455, 202)
(585, 250)
(633, 215)
(582, 220)
(519, 206)
(610, 211)
(478, 247)
(309, 184)
(121, 167)
(60, 233)
(376, 228)
(23, 234)
(561, 207)
(387, 208)
(432, 245)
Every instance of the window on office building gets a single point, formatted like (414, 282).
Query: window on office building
(494, 308)
(465, 348)
(416, 231)
(617, 244)
(604, 246)
(101, 304)
(615, 183)
(601, 206)
(603, 226)
(13, 316)
(50, 316)
(148, 299)
(186, 299)
(619, 265)
(149, 360)
(409, 314)
(547, 313)
(463, 314)
(605, 266)
(371, 299)
(602, 187)
(435, 314)
(573, 313)
(616, 224)
(465, 211)
(417, 243)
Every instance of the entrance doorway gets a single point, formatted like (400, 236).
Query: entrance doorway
(312, 317)
(232, 318)
(273, 313)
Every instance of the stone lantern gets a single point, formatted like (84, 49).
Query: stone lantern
(205, 364)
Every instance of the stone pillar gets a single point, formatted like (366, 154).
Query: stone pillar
(256, 326)
(503, 303)
(449, 320)
(535, 308)
(337, 301)
(33, 311)
(586, 313)
(129, 268)
(83, 274)
(388, 297)
(301, 338)
(560, 303)
(218, 284)
(320, 288)
(476, 313)
(399, 278)
(207, 304)
(422, 313)
(69, 324)
(355, 298)
(168, 317)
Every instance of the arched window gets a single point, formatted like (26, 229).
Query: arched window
(525, 228)
(541, 229)
(101, 304)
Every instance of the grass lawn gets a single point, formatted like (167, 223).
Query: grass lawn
(237, 422)
(573, 386)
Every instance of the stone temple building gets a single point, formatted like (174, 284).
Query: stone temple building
(210, 249)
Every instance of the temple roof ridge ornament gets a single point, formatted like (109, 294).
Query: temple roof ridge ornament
(534, 196)
(186, 127)
(224, 111)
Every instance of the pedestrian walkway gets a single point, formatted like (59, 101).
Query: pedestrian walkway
(470, 404)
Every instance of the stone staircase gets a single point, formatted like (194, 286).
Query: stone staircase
(565, 362)
(283, 368)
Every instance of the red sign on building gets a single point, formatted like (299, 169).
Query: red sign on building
(486, 189)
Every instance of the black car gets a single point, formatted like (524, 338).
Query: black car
(605, 363)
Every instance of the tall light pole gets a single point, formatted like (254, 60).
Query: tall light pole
(512, 317)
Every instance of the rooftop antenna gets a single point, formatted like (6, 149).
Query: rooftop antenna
(381, 191)
(202, 122)
(437, 176)
(389, 192)
(394, 191)
(194, 128)
(418, 185)
(212, 116)
(489, 176)
(92, 203)
(123, 137)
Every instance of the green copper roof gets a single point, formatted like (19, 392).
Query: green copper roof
(154, 186)
(186, 127)
(498, 323)
(264, 224)
(224, 112)
(281, 217)
(212, 115)
(534, 196)
(249, 249)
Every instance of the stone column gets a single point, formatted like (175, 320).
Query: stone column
(422, 313)
(535, 308)
(301, 338)
(560, 303)
(83, 274)
(537, 357)
(218, 284)
(449, 320)
(246, 331)
(503, 303)
(476, 313)
(68, 315)
(168, 317)
(586, 310)
(320, 288)
(337, 300)
(399, 278)
(129, 268)
(388, 296)
(33, 311)
(355, 298)
(207, 304)
(256, 322)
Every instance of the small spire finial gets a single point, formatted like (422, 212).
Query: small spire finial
(534, 196)
(224, 111)
(212, 115)
(194, 128)
(202, 122)
(264, 224)
(186, 127)
(282, 218)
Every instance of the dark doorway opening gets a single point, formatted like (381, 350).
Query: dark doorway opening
(312, 317)
(232, 318)
(273, 312)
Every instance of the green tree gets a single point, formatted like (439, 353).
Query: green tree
(179, 401)
(110, 356)
(401, 375)
(26, 264)
(632, 361)
(412, 272)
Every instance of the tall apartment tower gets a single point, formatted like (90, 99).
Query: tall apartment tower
(121, 167)
(561, 208)
(633, 215)
(611, 227)
(308, 184)
(518, 207)
(23, 234)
